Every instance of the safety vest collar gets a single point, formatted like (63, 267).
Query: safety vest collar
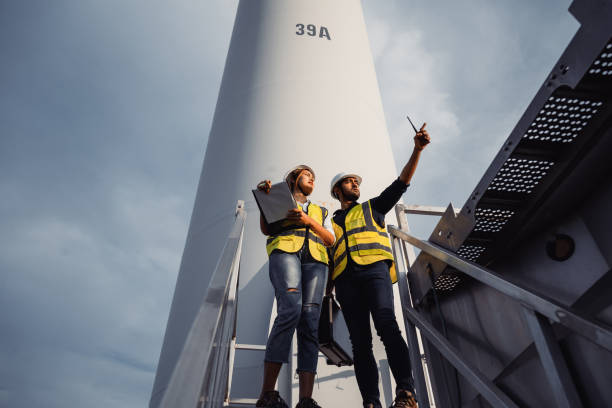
(346, 210)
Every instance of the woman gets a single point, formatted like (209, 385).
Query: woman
(298, 272)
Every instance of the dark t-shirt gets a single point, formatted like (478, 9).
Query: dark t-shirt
(381, 205)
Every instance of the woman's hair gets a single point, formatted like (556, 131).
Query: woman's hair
(294, 176)
(292, 179)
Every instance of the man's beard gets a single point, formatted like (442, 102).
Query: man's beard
(350, 195)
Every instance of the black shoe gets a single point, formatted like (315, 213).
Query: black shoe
(404, 399)
(307, 403)
(271, 399)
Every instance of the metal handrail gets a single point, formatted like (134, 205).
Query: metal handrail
(411, 335)
(200, 377)
(547, 307)
(485, 387)
(537, 310)
(412, 320)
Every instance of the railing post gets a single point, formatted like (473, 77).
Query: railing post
(556, 370)
(240, 209)
(411, 336)
(400, 251)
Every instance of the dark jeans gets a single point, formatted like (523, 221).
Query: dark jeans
(361, 293)
(299, 289)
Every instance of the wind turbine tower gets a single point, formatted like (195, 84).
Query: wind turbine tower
(299, 87)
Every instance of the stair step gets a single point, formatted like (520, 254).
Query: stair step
(242, 402)
(240, 346)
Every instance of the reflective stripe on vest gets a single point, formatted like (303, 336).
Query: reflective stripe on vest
(367, 242)
(292, 240)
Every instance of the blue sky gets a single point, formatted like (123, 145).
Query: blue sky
(105, 108)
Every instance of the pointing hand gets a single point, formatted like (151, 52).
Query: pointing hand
(421, 139)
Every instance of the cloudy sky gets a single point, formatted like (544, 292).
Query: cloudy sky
(105, 108)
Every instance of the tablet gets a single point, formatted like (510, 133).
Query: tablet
(275, 204)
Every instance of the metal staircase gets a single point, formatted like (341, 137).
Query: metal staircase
(509, 301)
(202, 375)
(538, 311)
(511, 293)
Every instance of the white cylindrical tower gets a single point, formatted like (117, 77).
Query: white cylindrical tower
(299, 87)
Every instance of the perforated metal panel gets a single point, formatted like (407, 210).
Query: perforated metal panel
(491, 219)
(520, 175)
(470, 252)
(447, 282)
(603, 64)
(561, 125)
(557, 125)
(563, 118)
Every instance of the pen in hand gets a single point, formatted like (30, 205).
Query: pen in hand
(421, 137)
(415, 129)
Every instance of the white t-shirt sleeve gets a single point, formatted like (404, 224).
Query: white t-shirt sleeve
(328, 225)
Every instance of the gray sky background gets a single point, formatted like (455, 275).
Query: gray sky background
(105, 108)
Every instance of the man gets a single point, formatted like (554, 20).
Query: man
(363, 272)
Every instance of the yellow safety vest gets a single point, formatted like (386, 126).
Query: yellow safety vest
(292, 239)
(367, 242)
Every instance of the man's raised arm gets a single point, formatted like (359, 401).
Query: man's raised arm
(421, 139)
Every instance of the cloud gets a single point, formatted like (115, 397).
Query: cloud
(467, 69)
(104, 114)
(66, 379)
(92, 307)
(412, 83)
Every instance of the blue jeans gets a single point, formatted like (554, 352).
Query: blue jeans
(299, 289)
(361, 293)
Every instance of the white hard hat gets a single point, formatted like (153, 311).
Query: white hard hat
(300, 167)
(338, 178)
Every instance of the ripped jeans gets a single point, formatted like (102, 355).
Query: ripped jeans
(299, 289)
